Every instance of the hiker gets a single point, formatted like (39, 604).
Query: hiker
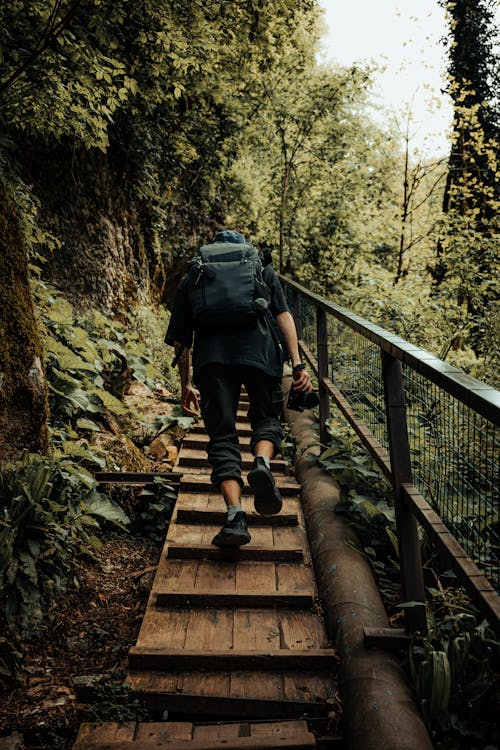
(234, 345)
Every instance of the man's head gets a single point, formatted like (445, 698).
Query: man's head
(228, 235)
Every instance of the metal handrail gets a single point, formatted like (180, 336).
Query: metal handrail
(479, 396)
(396, 463)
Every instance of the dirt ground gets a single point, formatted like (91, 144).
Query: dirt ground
(89, 634)
(93, 626)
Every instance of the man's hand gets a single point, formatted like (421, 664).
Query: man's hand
(191, 401)
(301, 381)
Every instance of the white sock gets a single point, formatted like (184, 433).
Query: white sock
(232, 511)
(266, 461)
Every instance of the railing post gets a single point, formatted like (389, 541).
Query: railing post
(324, 398)
(408, 545)
(297, 312)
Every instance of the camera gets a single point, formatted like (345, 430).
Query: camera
(300, 400)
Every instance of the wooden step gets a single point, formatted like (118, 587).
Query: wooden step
(201, 441)
(238, 695)
(242, 427)
(249, 552)
(211, 499)
(201, 483)
(299, 742)
(217, 517)
(136, 477)
(187, 736)
(227, 660)
(196, 457)
(230, 598)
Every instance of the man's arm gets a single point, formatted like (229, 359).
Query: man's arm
(301, 378)
(189, 394)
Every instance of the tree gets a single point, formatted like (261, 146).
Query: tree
(467, 251)
(23, 390)
(421, 182)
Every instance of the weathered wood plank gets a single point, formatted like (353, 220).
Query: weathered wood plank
(135, 477)
(292, 577)
(201, 440)
(201, 480)
(109, 732)
(232, 598)
(199, 460)
(163, 731)
(185, 534)
(242, 426)
(208, 552)
(290, 537)
(209, 629)
(302, 630)
(297, 742)
(249, 694)
(278, 728)
(203, 684)
(255, 575)
(164, 658)
(214, 576)
(256, 630)
(256, 686)
(309, 687)
(217, 731)
(176, 574)
(217, 517)
(164, 627)
(262, 536)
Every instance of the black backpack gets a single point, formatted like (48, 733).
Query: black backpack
(225, 286)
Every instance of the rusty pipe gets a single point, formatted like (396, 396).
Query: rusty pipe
(380, 711)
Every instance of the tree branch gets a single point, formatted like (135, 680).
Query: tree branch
(53, 29)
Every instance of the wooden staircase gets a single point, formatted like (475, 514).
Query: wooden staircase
(229, 635)
(187, 736)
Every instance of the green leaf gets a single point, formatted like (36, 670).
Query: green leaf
(100, 506)
(87, 424)
(95, 542)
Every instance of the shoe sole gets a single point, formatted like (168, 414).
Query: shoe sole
(267, 499)
(233, 540)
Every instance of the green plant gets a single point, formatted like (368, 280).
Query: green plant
(366, 504)
(114, 701)
(455, 674)
(454, 670)
(91, 362)
(153, 517)
(431, 676)
(50, 513)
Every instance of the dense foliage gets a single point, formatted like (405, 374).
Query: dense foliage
(454, 669)
(131, 132)
(468, 246)
(52, 511)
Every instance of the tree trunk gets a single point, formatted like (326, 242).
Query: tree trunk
(23, 388)
(108, 259)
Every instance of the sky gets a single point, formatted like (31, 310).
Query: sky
(403, 38)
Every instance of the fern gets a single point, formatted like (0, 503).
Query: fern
(51, 512)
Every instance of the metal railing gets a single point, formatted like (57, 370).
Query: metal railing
(432, 429)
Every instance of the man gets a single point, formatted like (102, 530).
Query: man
(225, 358)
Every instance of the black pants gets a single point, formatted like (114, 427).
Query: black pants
(220, 387)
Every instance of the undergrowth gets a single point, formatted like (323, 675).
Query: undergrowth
(51, 510)
(51, 513)
(455, 669)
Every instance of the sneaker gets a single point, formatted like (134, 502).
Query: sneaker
(234, 533)
(267, 499)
